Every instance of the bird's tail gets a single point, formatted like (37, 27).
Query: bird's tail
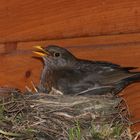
(126, 82)
(132, 79)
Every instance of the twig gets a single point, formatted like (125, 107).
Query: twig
(37, 123)
(28, 89)
(34, 87)
(132, 123)
(18, 112)
(137, 136)
(10, 133)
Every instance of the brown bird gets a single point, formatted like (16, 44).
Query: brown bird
(70, 75)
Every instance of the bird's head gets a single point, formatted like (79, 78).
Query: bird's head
(55, 56)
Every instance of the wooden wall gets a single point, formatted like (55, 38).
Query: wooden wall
(93, 29)
(29, 20)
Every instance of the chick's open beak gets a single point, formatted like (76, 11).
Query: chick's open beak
(40, 51)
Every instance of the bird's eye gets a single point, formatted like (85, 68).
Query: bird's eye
(56, 54)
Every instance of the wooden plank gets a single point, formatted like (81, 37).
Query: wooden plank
(132, 98)
(10, 47)
(47, 19)
(104, 41)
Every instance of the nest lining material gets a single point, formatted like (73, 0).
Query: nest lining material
(55, 117)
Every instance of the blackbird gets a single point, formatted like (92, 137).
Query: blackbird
(70, 75)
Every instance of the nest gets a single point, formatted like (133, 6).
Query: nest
(55, 117)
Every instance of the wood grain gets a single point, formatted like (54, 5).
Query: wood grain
(46, 19)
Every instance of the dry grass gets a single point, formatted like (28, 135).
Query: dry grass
(55, 117)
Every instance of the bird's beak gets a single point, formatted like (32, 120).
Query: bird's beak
(40, 51)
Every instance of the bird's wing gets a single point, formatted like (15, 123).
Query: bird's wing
(71, 81)
(103, 63)
(95, 77)
(105, 72)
